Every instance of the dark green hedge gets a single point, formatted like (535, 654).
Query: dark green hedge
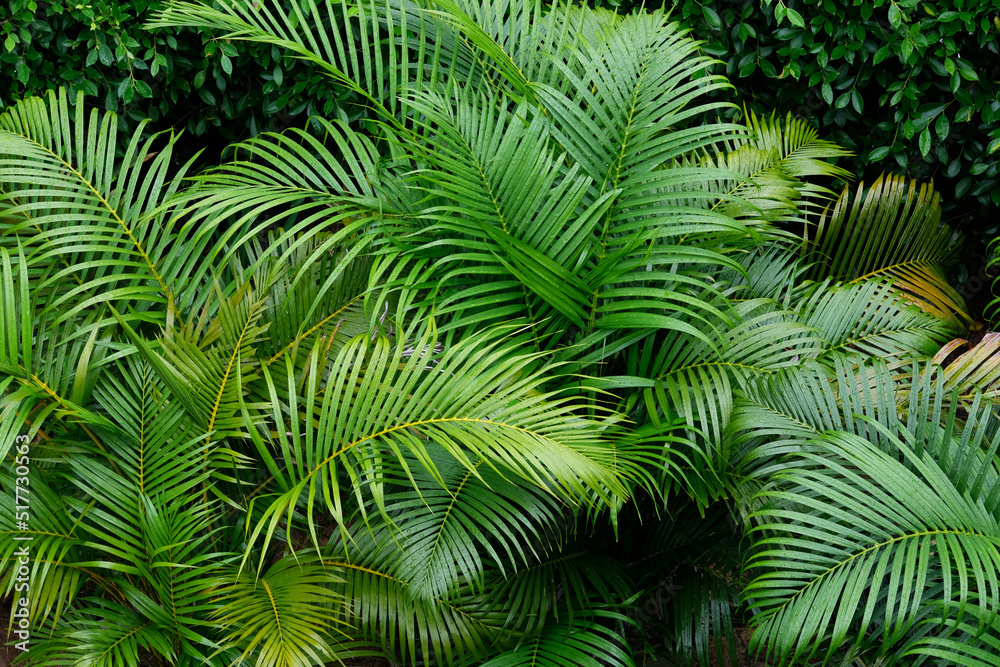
(182, 80)
(909, 86)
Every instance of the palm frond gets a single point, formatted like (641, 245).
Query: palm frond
(386, 402)
(774, 167)
(703, 617)
(571, 579)
(493, 177)
(855, 541)
(321, 194)
(972, 371)
(440, 529)
(60, 166)
(286, 617)
(770, 271)
(207, 364)
(512, 36)
(699, 377)
(971, 639)
(891, 230)
(693, 382)
(102, 634)
(17, 315)
(386, 49)
(303, 305)
(632, 87)
(586, 641)
(871, 317)
(384, 612)
(56, 545)
(774, 416)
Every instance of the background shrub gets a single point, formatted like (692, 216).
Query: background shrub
(908, 87)
(179, 79)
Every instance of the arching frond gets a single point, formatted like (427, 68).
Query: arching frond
(774, 416)
(493, 177)
(207, 364)
(60, 166)
(771, 172)
(323, 195)
(891, 230)
(55, 546)
(693, 382)
(582, 642)
(767, 272)
(871, 317)
(441, 529)
(572, 579)
(388, 48)
(631, 87)
(384, 612)
(475, 401)
(102, 634)
(854, 542)
(18, 315)
(286, 616)
(974, 370)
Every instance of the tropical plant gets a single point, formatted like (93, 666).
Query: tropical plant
(211, 90)
(482, 386)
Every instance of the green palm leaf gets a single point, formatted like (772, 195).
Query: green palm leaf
(303, 306)
(970, 640)
(207, 364)
(633, 86)
(442, 530)
(320, 195)
(570, 579)
(770, 172)
(894, 231)
(59, 166)
(583, 642)
(872, 318)
(385, 403)
(286, 617)
(703, 616)
(360, 59)
(496, 177)
(55, 546)
(693, 382)
(384, 611)
(699, 377)
(103, 634)
(973, 371)
(513, 36)
(775, 415)
(135, 516)
(18, 316)
(855, 541)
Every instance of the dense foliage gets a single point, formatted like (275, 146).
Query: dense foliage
(536, 371)
(173, 79)
(907, 86)
(832, 63)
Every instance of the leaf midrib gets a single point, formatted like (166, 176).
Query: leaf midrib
(879, 545)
